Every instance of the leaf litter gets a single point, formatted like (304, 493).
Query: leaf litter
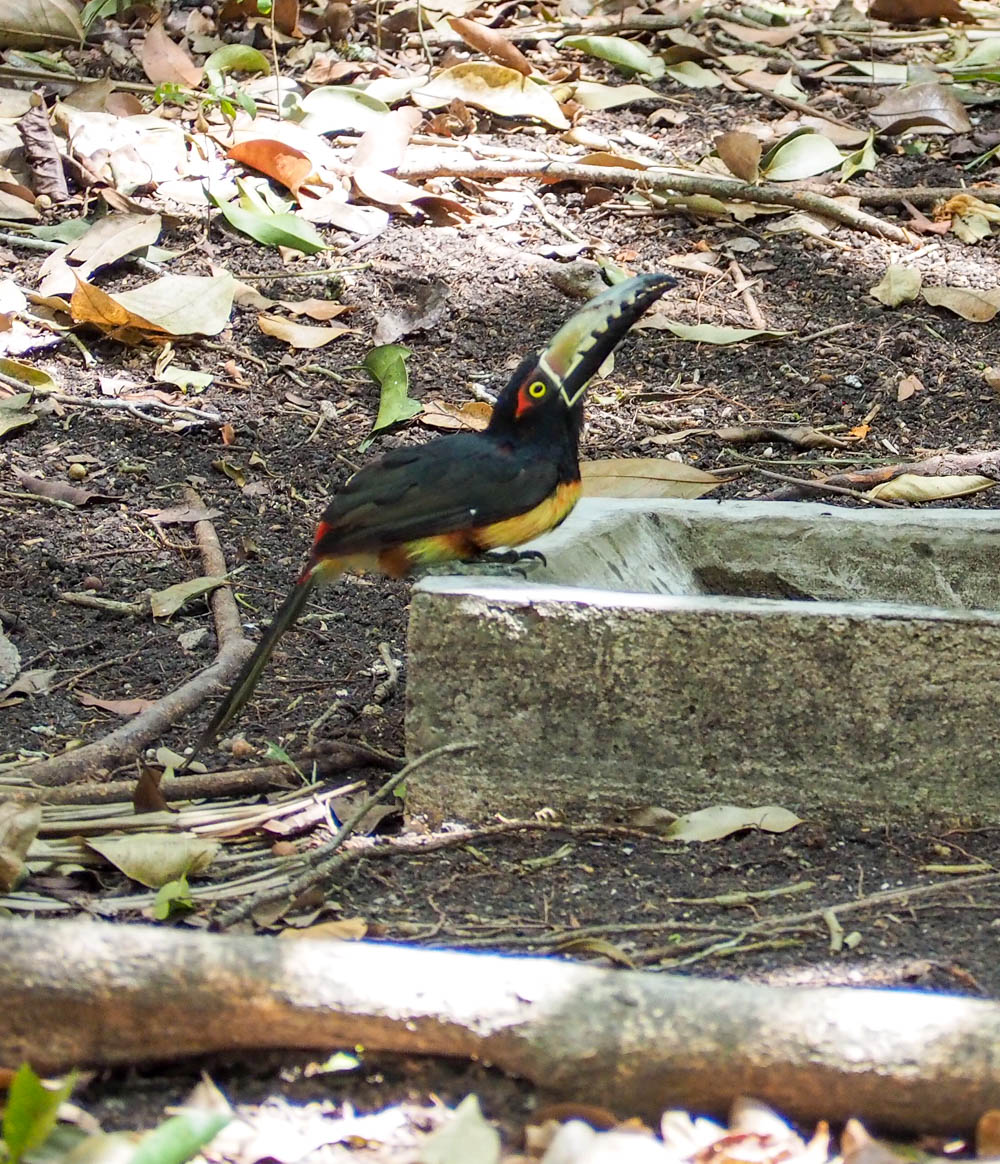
(398, 200)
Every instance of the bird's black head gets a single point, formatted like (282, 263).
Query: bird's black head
(549, 387)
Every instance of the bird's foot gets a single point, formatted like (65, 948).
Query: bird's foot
(523, 559)
(493, 563)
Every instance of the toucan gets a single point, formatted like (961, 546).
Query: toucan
(461, 496)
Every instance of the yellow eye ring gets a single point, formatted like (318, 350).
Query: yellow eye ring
(537, 390)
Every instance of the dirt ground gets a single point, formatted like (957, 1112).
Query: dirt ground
(501, 301)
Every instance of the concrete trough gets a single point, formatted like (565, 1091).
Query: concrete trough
(687, 653)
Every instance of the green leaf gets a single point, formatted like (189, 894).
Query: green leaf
(232, 58)
(97, 8)
(627, 55)
(180, 1137)
(333, 108)
(32, 1110)
(67, 231)
(693, 75)
(863, 159)
(800, 155)
(14, 418)
(172, 899)
(273, 230)
(30, 377)
(166, 602)
(387, 367)
(592, 95)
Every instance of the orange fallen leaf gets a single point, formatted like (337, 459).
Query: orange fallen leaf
(283, 163)
(89, 304)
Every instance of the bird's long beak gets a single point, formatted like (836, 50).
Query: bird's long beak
(586, 340)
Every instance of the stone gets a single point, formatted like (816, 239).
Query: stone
(688, 653)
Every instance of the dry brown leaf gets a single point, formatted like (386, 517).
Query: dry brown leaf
(915, 489)
(60, 491)
(348, 929)
(741, 154)
(123, 707)
(321, 309)
(907, 387)
(494, 44)
(19, 825)
(776, 36)
(801, 435)
(474, 414)
(913, 106)
(921, 223)
(283, 163)
(89, 304)
(615, 161)
(300, 335)
(164, 62)
(42, 153)
(988, 1135)
(975, 306)
(645, 477)
(913, 11)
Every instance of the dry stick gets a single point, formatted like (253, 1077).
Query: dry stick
(922, 197)
(125, 743)
(681, 184)
(325, 859)
(91, 993)
(985, 463)
(337, 757)
(826, 487)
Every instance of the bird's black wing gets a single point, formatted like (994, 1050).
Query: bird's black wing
(453, 483)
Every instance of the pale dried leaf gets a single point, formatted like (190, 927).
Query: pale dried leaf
(722, 820)
(907, 387)
(645, 477)
(493, 87)
(915, 489)
(34, 23)
(302, 336)
(347, 929)
(973, 305)
(898, 285)
(153, 859)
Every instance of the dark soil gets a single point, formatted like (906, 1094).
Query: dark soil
(501, 302)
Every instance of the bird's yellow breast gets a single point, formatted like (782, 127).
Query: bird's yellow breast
(512, 531)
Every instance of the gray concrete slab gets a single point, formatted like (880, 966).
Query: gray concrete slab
(801, 654)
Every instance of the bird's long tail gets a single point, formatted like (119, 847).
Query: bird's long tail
(244, 684)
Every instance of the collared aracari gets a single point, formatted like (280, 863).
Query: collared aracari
(459, 496)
